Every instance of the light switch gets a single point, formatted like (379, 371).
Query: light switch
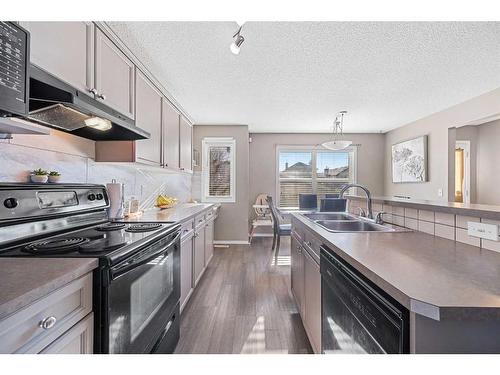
(483, 230)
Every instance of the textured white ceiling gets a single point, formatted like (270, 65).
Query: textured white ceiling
(295, 76)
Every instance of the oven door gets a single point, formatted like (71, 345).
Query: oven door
(143, 292)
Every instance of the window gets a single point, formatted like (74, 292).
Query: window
(218, 169)
(312, 171)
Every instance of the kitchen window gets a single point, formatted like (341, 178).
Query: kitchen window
(309, 170)
(218, 169)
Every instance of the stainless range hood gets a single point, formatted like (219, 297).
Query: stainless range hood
(55, 104)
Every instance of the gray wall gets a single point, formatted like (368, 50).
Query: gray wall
(232, 223)
(436, 127)
(488, 163)
(263, 160)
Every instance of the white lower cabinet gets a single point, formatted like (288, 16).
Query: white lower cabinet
(306, 288)
(209, 241)
(199, 254)
(78, 340)
(186, 267)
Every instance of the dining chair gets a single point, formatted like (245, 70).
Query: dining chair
(331, 195)
(279, 228)
(332, 205)
(308, 202)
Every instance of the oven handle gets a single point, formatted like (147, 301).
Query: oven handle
(120, 271)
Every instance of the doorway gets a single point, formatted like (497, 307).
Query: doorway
(462, 171)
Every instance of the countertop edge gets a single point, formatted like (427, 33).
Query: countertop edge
(28, 298)
(145, 216)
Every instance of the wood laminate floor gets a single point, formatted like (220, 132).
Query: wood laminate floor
(243, 304)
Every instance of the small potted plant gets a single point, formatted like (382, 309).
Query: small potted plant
(54, 177)
(39, 176)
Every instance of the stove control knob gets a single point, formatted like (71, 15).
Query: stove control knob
(99, 196)
(10, 203)
(91, 197)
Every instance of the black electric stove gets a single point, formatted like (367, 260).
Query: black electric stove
(137, 284)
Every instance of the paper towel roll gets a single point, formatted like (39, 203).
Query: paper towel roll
(116, 198)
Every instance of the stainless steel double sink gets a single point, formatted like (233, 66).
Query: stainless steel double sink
(345, 222)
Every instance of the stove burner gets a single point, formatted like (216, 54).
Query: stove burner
(108, 227)
(99, 246)
(145, 227)
(56, 246)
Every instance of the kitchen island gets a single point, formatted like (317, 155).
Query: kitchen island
(450, 289)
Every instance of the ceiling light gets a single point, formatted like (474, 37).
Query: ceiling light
(237, 42)
(98, 123)
(338, 143)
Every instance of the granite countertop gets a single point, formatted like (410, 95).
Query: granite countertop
(466, 209)
(178, 213)
(431, 276)
(25, 280)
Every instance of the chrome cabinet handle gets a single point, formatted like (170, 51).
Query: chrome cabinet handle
(93, 91)
(48, 322)
(101, 96)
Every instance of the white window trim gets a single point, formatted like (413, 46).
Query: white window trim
(353, 159)
(205, 144)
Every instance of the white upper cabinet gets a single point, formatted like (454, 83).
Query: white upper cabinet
(148, 108)
(114, 75)
(64, 49)
(186, 150)
(170, 119)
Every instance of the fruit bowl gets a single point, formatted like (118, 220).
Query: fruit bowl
(165, 206)
(163, 202)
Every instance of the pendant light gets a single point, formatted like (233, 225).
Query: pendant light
(338, 143)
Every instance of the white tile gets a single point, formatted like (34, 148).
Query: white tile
(444, 231)
(490, 245)
(426, 215)
(411, 223)
(443, 218)
(463, 220)
(398, 220)
(426, 226)
(400, 211)
(387, 208)
(377, 207)
(489, 221)
(411, 213)
(462, 236)
(387, 218)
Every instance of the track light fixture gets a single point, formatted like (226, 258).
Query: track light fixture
(237, 41)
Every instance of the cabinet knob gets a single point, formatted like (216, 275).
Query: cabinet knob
(48, 322)
(93, 91)
(101, 96)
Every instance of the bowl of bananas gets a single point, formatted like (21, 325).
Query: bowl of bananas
(164, 202)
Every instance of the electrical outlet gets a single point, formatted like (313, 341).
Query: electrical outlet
(482, 230)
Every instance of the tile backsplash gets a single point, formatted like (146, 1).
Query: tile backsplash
(143, 182)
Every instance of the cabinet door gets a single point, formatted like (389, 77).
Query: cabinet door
(64, 49)
(186, 152)
(170, 120)
(209, 242)
(77, 340)
(186, 270)
(114, 75)
(148, 117)
(199, 254)
(297, 274)
(312, 295)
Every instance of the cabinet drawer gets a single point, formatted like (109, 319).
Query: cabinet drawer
(186, 227)
(199, 220)
(77, 340)
(312, 244)
(22, 332)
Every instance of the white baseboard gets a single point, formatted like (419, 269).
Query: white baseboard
(231, 242)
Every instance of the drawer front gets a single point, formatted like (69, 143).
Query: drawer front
(186, 228)
(312, 244)
(32, 328)
(199, 220)
(77, 340)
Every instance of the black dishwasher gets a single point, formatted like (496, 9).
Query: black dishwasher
(357, 316)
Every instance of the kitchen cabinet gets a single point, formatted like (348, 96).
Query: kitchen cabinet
(77, 340)
(312, 303)
(64, 49)
(297, 273)
(186, 264)
(198, 253)
(114, 76)
(209, 241)
(186, 145)
(148, 108)
(170, 135)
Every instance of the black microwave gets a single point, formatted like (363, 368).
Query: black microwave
(14, 67)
